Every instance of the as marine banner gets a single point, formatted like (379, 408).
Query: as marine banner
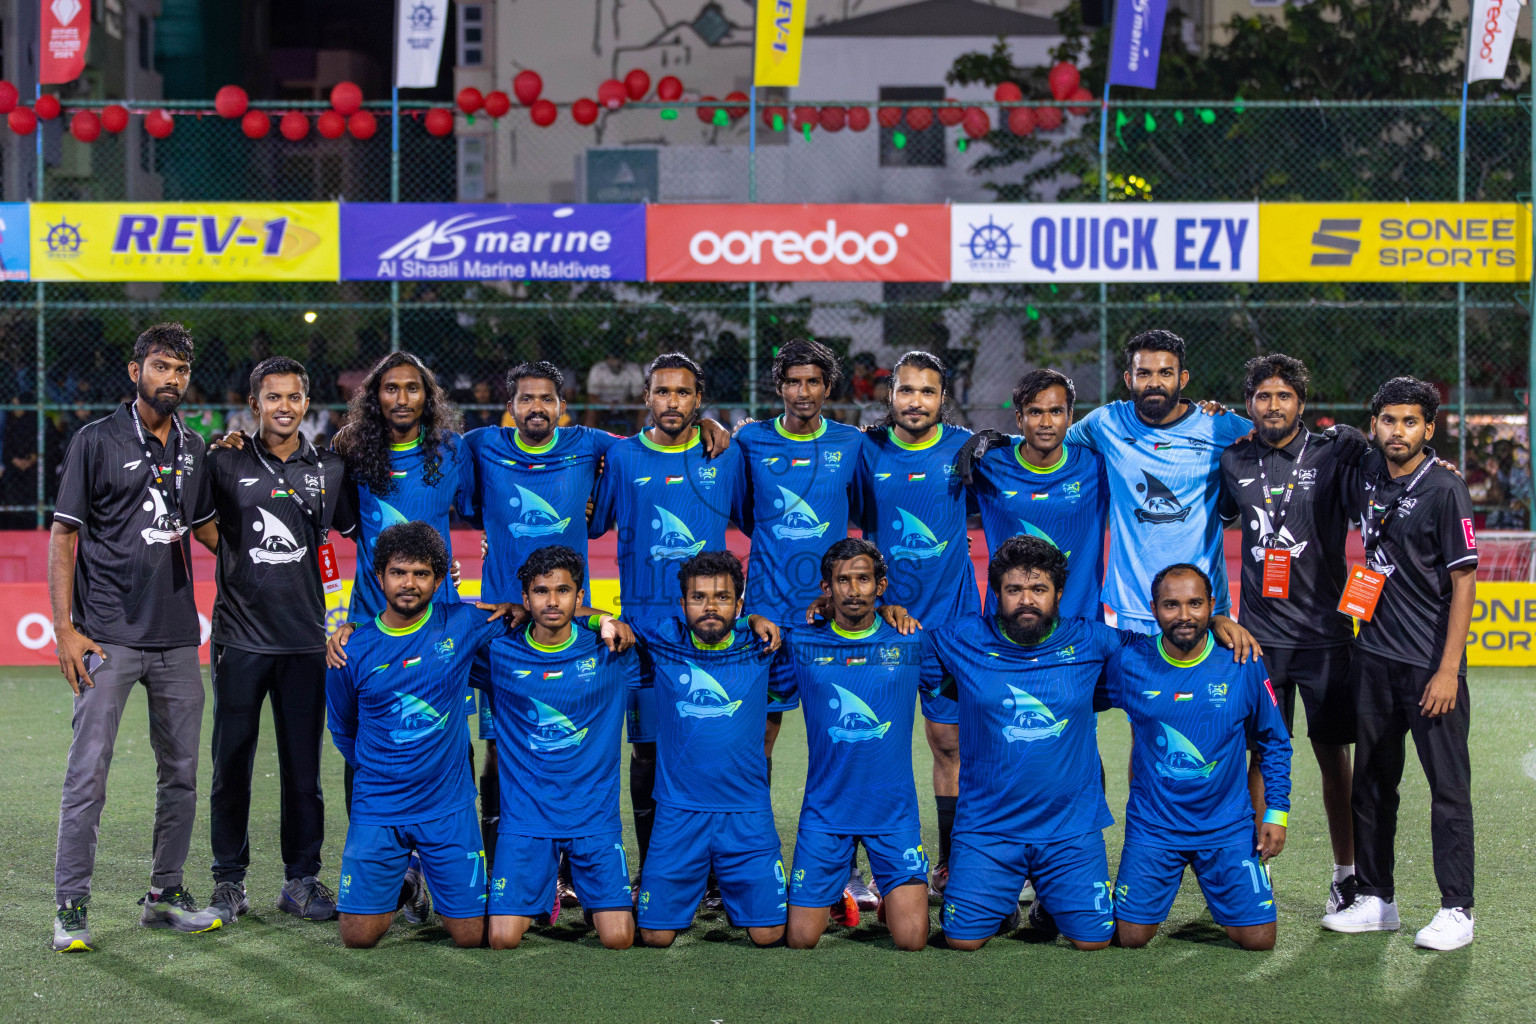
(1434, 242)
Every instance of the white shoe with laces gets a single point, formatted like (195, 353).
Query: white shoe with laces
(1451, 929)
(1365, 914)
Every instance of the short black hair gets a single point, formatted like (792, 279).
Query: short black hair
(537, 370)
(851, 547)
(1407, 391)
(411, 542)
(545, 560)
(1182, 567)
(171, 338)
(1032, 554)
(806, 352)
(675, 361)
(1155, 341)
(278, 366)
(1289, 369)
(923, 361)
(1036, 381)
(711, 563)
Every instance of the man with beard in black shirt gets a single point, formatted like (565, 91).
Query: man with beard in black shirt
(1293, 491)
(276, 499)
(133, 484)
(1415, 595)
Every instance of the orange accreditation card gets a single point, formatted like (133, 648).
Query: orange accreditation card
(1361, 592)
(1277, 573)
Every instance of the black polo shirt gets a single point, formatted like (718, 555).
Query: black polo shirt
(133, 565)
(1314, 528)
(271, 598)
(1427, 534)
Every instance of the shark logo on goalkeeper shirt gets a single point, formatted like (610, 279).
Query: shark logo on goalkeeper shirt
(1160, 504)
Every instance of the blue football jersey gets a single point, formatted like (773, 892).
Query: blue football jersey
(396, 713)
(711, 704)
(529, 498)
(1029, 753)
(411, 498)
(913, 508)
(558, 713)
(1066, 504)
(1164, 483)
(801, 490)
(668, 504)
(859, 692)
(1192, 722)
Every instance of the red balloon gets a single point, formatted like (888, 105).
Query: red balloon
(706, 114)
(331, 125)
(612, 94)
(1079, 94)
(231, 101)
(362, 125)
(470, 99)
(769, 113)
(439, 122)
(919, 118)
(527, 86)
(256, 124)
(833, 119)
(889, 117)
(114, 118)
(159, 124)
(669, 89)
(1048, 118)
(22, 121)
(1021, 120)
(1063, 78)
(858, 118)
(497, 103)
(346, 98)
(47, 106)
(976, 122)
(1008, 92)
(9, 97)
(738, 111)
(951, 113)
(543, 113)
(806, 116)
(636, 84)
(294, 126)
(85, 126)
(584, 111)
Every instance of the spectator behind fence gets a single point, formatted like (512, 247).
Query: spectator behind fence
(18, 475)
(872, 410)
(612, 383)
(482, 394)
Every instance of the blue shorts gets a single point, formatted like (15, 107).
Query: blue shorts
(782, 698)
(640, 716)
(375, 858)
(1071, 880)
(822, 859)
(939, 709)
(742, 847)
(523, 884)
(484, 718)
(1235, 884)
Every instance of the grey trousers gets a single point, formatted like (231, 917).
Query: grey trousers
(174, 683)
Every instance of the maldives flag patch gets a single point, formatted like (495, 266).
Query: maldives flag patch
(1183, 696)
(1271, 690)
(409, 662)
(553, 675)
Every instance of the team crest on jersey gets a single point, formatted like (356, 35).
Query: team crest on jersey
(444, 647)
(1218, 692)
(674, 541)
(278, 546)
(538, 518)
(1159, 504)
(1305, 478)
(418, 719)
(1068, 653)
(706, 697)
(1031, 720)
(1072, 491)
(549, 729)
(856, 721)
(831, 460)
(917, 541)
(708, 476)
(890, 655)
(586, 668)
(1179, 759)
(797, 520)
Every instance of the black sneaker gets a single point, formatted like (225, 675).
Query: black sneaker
(1012, 922)
(937, 882)
(1342, 893)
(567, 894)
(230, 901)
(713, 903)
(307, 898)
(415, 900)
(1042, 922)
(175, 908)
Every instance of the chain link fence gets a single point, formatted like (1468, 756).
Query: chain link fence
(66, 344)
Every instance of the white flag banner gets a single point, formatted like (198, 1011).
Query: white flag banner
(1492, 30)
(419, 42)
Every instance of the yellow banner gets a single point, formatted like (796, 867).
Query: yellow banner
(1394, 242)
(185, 242)
(780, 42)
(1503, 625)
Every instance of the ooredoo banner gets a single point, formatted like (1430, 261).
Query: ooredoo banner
(773, 242)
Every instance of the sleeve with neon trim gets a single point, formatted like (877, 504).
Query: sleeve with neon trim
(1266, 725)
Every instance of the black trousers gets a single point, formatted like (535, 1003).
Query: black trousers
(242, 681)
(1387, 697)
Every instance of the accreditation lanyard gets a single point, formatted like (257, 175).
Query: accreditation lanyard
(1373, 542)
(1278, 518)
(172, 499)
(318, 518)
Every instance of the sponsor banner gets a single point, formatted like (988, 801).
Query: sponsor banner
(184, 242)
(65, 36)
(1059, 242)
(492, 242)
(770, 242)
(1394, 242)
(419, 42)
(1503, 630)
(1136, 42)
(1492, 31)
(15, 242)
(780, 42)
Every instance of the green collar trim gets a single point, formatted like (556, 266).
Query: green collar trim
(723, 645)
(408, 446)
(898, 442)
(778, 423)
(378, 620)
(549, 648)
(1004, 634)
(1210, 645)
(1018, 453)
(693, 442)
(863, 634)
(554, 438)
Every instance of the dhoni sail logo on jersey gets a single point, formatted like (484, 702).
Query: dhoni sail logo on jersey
(551, 730)
(166, 529)
(797, 521)
(856, 721)
(917, 541)
(1031, 530)
(1160, 505)
(538, 518)
(1031, 720)
(384, 515)
(1268, 538)
(674, 540)
(418, 719)
(278, 545)
(1181, 759)
(706, 697)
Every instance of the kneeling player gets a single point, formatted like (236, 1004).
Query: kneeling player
(1192, 715)
(712, 806)
(394, 713)
(857, 678)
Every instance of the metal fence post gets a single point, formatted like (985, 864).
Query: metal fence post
(1103, 287)
(1530, 356)
(394, 197)
(752, 285)
(1461, 298)
(42, 354)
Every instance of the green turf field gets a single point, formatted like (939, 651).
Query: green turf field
(272, 967)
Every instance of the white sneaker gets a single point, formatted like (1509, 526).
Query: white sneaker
(1365, 914)
(1451, 929)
